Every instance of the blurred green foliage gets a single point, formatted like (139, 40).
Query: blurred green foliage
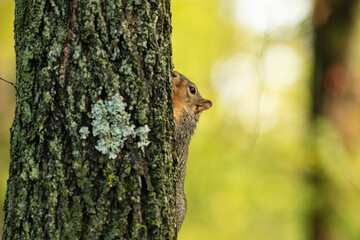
(250, 161)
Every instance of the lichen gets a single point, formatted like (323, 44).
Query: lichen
(54, 176)
(111, 124)
(84, 132)
(142, 133)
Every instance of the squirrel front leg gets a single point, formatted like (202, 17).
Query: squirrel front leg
(188, 104)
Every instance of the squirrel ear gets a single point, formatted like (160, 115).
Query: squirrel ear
(203, 105)
(176, 78)
(174, 74)
(206, 104)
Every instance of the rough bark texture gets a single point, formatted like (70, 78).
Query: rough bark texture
(69, 177)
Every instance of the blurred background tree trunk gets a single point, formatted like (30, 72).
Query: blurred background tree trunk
(333, 98)
(81, 166)
(333, 83)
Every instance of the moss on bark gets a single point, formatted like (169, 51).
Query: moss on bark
(70, 55)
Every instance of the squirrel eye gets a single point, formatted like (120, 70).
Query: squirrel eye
(192, 90)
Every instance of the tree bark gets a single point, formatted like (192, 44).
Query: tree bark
(92, 147)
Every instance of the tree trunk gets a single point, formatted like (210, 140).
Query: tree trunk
(331, 94)
(92, 140)
(333, 82)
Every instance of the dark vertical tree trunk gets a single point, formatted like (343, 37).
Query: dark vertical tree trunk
(91, 143)
(333, 82)
(331, 96)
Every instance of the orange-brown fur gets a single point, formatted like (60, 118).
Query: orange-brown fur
(184, 101)
(188, 104)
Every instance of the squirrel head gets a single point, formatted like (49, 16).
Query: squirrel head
(187, 99)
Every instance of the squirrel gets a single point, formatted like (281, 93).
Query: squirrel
(188, 104)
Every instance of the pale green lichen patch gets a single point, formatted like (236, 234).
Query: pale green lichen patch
(111, 124)
(84, 132)
(142, 133)
(55, 177)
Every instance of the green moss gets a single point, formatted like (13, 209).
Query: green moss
(80, 161)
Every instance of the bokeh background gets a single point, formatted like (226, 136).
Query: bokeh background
(277, 156)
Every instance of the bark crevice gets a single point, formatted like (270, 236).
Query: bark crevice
(60, 185)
